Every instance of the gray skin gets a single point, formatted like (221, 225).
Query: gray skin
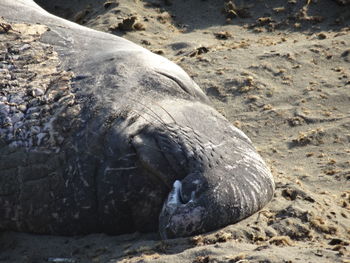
(148, 153)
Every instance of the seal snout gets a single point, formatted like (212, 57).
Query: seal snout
(213, 174)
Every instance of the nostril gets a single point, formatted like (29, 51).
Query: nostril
(184, 199)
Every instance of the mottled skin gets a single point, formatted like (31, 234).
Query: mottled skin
(145, 130)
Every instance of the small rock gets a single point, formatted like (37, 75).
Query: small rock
(223, 35)
(40, 137)
(35, 130)
(4, 109)
(322, 36)
(22, 107)
(145, 42)
(4, 27)
(33, 109)
(24, 47)
(17, 117)
(16, 99)
(159, 52)
(110, 4)
(34, 115)
(18, 125)
(139, 26)
(199, 51)
(127, 24)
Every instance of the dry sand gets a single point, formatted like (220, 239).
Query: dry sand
(280, 71)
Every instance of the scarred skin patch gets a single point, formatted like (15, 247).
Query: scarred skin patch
(35, 94)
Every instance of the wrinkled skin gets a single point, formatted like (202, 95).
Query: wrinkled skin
(149, 153)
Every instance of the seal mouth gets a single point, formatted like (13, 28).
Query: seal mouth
(174, 201)
(176, 197)
(180, 215)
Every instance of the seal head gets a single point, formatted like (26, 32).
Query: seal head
(215, 175)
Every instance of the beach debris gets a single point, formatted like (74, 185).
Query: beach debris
(232, 10)
(110, 3)
(238, 258)
(199, 51)
(145, 42)
(346, 55)
(61, 260)
(4, 27)
(321, 36)
(79, 17)
(158, 51)
(279, 9)
(314, 137)
(223, 35)
(342, 2)
(128, 24)
(201, 259)
(281, 241)
(264, 20)
(164, 18)
(322, 225)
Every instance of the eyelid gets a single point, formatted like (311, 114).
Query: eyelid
(177, 81)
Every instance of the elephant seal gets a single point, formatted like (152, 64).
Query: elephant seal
(100, 135)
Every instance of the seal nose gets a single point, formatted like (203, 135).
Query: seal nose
(181, 215)
(177, 217)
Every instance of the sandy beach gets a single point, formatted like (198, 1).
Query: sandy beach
(279, 71)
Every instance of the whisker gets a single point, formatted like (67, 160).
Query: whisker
(155, 114)
(143, 117)
(160, 106)
(153, 148)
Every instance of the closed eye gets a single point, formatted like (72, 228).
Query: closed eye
(177, 81)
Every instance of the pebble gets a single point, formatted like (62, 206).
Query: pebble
(33, 109)
(24, 47)
(4, 109)
(35, 130)
(22, 107)
(18, 116)
(18, 125)
(16, 98)
(40, 137)
(34, 115)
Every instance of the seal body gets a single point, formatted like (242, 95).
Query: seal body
(101, 135)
